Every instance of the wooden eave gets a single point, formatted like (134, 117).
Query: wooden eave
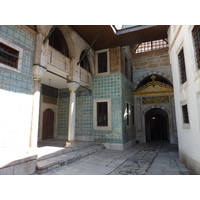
(124, 37)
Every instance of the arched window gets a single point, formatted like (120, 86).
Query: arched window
(85, 63)
(57, 41)
(151, 45)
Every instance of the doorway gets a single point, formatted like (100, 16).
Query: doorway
(157, 125)
(48, 124)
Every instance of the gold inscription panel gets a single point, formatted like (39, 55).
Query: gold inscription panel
(153, 100)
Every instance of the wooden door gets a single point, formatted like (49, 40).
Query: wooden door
(48, 124)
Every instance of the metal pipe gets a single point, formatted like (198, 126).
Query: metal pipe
(85, 53)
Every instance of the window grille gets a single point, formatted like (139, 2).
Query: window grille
(102, 114)
(182, 66)
(127, 114)
(102, 62)
(151, 45)
(49, 91)
(133, 117)
(8, 56)
(185, 114)
(196, 36)
(126, 67)
(131, 74)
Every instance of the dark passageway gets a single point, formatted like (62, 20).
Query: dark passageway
(156, 124)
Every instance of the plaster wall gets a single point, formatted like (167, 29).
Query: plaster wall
(16, 90)
(187, 93)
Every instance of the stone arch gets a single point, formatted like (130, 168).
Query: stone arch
(151, 73)
(90, 59)
(67, 34)
(156, 106)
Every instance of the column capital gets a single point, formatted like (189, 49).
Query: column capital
(73, 86)
(38, 72)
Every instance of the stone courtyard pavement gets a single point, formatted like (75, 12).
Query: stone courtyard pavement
(155, 158)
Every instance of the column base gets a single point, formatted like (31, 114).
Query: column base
(70, 144)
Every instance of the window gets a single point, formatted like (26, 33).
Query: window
(84, 62)
(182, 66)
(49, 91)
(131, 74)
(102, 114)
(133, 117)
(10, 56)
(127, 113)
(126, 67)
(57, 41)
(151, 45)
(185, 114)
(196, 37)
(102, 62)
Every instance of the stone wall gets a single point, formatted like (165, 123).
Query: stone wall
(115, 57)
(151, 59)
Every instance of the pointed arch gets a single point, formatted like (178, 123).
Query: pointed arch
(57, 41)
(85, 62)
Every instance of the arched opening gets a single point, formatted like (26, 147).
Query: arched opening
(148, 79)
(48, 124)
(57, 41)
(157, 125)
(84, 62)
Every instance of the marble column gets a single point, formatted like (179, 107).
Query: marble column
(38, 72)
(72, 114)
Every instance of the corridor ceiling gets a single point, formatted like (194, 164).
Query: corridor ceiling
(111, 37)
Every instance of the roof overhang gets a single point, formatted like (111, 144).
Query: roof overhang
(111, 37)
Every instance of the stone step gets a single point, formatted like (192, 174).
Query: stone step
(55, 161)
(51, 151)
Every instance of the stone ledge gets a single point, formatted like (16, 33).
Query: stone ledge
(15, 158)
(15, 162)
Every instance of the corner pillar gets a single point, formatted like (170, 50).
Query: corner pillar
(38, 72)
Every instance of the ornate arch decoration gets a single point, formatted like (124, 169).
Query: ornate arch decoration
(152, 73)
(156, 106)
(154, 87)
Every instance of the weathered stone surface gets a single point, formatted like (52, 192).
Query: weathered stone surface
(6, 170)
(25, 168)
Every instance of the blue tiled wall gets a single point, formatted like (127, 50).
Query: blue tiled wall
(113, 86)
(10, 80)
(127, 96)
(109, 86)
